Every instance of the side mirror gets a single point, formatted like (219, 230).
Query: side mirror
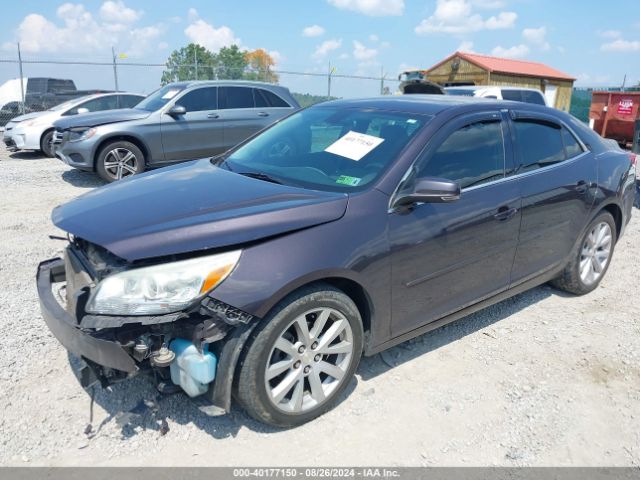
(430, 190)
(82, 110)
(177, 110)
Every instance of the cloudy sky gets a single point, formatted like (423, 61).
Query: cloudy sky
(597, 42)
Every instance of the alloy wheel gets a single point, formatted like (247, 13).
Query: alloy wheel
(595, 253)
(309, 360)
(120, 163)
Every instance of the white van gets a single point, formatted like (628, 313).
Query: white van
(517, 94)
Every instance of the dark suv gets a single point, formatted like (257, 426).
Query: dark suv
(344, 229)
(180, 121)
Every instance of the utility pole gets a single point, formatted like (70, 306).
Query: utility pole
(381, 80)
(329, 82)
(115, 68)
(624, 82)
(195, 56)
(21, 80)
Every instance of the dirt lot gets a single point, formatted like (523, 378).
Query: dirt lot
(541, 379)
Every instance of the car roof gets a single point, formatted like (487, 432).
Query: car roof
(481, 87)
(420, 103)
(244, 83)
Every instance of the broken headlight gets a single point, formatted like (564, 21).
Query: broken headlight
(160, 289)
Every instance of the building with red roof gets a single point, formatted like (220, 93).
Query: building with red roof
(463, 68)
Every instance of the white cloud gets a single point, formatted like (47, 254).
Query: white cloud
(373, 38)
(193, 15)
(517, 51)
(610, 33)
(362, 53)
(621, 45)
(78, 31)
(326, 47)
(277, 57)
(343, 56)
(536, 37)
(466, 46)
(118, 12)
(458, 17)
(210, 37)
(313, 31)
(373, 8)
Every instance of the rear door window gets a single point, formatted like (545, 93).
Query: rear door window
(513, 95)
(236, 97)
(200, 99)
(267, 99)
(536, 98)
(129, 101)
(539, 144)
(472, 155)
(571, 145)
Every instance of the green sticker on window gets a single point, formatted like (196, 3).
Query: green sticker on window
(346, 180)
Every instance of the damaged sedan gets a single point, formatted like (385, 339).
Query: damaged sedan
(344, 229)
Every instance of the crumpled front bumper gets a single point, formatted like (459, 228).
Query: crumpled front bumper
(65, 328)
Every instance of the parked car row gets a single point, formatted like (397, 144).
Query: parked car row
(345, 228)
(34, 131)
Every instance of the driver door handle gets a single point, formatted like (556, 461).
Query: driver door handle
(213, 115)
(505, 213)
(263, 114)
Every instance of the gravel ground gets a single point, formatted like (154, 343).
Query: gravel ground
(540, 379)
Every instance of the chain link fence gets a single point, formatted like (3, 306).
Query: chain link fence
(35, 84)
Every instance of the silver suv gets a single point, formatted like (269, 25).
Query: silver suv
(178, 122)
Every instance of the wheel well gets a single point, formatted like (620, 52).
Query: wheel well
(44, 133)
(124, 138)
(359, 296)
(616, 213)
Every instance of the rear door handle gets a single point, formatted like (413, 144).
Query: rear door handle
(213, 115)
(263, 114)
(582, 186)
(505, 213)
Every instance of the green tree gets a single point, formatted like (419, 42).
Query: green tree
(188, 63)
(231, 63)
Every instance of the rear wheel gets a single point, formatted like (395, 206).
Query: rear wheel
(118, 160)
(301, 358)
(46, 143)
(591, 258)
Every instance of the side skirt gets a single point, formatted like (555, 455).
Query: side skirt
(523, 287)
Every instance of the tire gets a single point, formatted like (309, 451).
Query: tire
(46, 145)
(305, 399)
(572, 279)
(119, 159)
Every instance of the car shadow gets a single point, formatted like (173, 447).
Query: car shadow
(135, 405)
(27, 155)
(387, 360)
(82, 179)
(636, 201)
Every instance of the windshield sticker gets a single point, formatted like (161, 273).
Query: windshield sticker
(170, 94)
(354, 145)
(347, 180)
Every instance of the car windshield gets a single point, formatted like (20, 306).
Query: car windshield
(327, 148)
(159, 98)
(461, 91)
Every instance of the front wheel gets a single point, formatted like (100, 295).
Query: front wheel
(46, 144)
(301, 358)
(118, 160)
(591, 257)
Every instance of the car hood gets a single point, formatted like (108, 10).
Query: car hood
(29, 116)
(189, 207)
(93, 119)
